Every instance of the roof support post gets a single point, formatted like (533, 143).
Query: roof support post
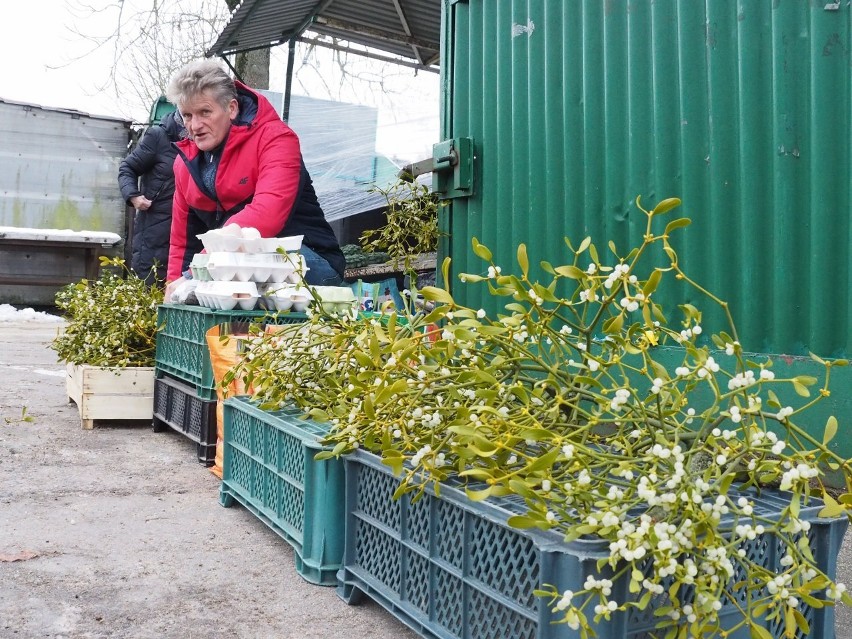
(288, 83)
(232, 67)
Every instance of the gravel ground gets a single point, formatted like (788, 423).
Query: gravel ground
(117, 532)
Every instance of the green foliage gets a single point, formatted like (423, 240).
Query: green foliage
(24, 418)
(112, 322)
(412, 222)
(569, 403)
(356, 257)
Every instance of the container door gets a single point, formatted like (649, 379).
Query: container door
(742, 110)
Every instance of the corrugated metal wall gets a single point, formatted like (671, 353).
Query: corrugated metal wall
(59, 169)
(741, 109)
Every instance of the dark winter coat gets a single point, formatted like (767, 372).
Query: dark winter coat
(261, 182)
(148, 170)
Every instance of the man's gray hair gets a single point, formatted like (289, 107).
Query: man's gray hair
(198, 76)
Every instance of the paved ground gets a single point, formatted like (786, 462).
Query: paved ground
(117, 532)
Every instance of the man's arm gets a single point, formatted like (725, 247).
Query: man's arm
(279, 174)
(179, 232)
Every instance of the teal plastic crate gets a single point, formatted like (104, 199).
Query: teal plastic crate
(182, 343)
(451, 568)
(269, 468)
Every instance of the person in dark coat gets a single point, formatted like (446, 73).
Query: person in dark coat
(147, 182)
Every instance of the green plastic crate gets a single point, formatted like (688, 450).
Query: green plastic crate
(182, 343)
(269, 468)
(452, 568)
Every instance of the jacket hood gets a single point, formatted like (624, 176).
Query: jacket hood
(255, 109)
(174, 128)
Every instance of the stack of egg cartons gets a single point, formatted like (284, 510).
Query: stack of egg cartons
(241, 268)
(334, 300)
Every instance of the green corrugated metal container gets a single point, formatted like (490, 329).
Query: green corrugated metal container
(741, 109)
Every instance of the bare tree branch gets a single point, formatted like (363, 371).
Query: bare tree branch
(150, 40)
(349, 74)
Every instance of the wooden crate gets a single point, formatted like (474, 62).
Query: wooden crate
(111, 393)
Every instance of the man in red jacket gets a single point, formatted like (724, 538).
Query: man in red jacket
(242, 165)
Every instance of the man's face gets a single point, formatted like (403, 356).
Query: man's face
(206, 121)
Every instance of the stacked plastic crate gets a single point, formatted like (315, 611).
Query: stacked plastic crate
(238, 282)
(184, 386)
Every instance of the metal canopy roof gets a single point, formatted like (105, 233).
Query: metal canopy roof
(409, 29)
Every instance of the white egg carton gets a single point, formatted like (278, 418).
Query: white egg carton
(336, 299)
(254, 267)
(278, 296)
(233, 239)
(226, 296)
(287, 297)
(215, 241)
(198, 267)
(300, 268)
(289, 244)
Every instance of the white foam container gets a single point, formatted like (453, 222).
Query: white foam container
(215, 241)
(287, 244)
(280, 297)
(226, 296)
(301, 299)
(336, 299)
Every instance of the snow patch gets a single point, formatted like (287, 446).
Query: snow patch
(37, 371)
(59, 235)
(54, 373)
(9, 313)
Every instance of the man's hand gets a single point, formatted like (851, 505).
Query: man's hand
(140, 202)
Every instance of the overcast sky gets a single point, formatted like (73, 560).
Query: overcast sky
(45, 63)
(34, 38)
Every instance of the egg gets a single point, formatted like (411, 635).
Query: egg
(250, 233)
(232, 229)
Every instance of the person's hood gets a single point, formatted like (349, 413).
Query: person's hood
(173, 127)
(255, 109)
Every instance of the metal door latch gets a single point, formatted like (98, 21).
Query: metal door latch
(452, 166)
